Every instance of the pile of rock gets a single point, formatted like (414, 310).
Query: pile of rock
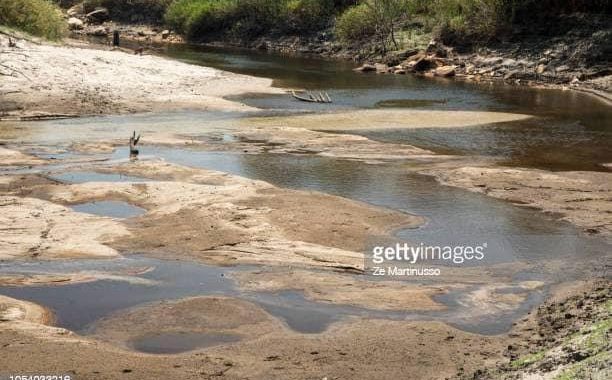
(419, 62)
(97, 22)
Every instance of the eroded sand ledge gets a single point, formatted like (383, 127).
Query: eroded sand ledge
(582, 198)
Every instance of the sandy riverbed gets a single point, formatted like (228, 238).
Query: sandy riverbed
(74, 79)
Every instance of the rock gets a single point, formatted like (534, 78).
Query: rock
(366, 67)
(421, 64)
(99, 31)
(399, 71)
(509, 62)
(491, 61)
(562, 68)
(98, 16)
(381, 68)
(414, 57)
(470, 68)
(75, 10)
(445, 71)
(541, 68)
(512, 74)
(165, 34)
(75, 24)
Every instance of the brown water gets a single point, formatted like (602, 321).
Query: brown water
(571, 131)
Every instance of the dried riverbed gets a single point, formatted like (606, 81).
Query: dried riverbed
(234, 245)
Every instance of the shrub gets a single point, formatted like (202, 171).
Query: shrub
(308, 15)
(472, 19)
(197, 17)
(37, 17)
(247, 18)
(150, 11)
(356, 23)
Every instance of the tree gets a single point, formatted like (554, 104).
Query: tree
(388, 15)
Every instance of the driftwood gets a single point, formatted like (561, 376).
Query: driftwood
(133, 142)
(317, 98)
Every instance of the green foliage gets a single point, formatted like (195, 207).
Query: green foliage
(356, 24)
(149, 11)
(307, 15)
(248, 18)
(380, 19)
(37, 17)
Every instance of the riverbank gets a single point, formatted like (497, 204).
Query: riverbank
(95, 80)
(572, 58)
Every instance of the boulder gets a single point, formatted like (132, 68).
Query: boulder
(541, 68)
(99, 31)
(366, 67)
(98, 16)
(445, 71)
(75, 23)
(381, 68)
(165, 34)
(422, 64)
(76, 10)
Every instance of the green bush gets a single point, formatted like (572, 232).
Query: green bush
(247, 18)
(470, 18)
(308, 15)
(37, 17)
(356, 23)
(149, 11)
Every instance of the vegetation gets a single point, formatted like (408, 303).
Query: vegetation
(459, 21)
(37, 17)
(149, 11)
(250, 18)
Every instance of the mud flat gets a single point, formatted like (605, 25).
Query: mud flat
(213, 216)
(86, 81)
(582, 198)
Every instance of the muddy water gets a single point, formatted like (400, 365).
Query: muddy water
(113, 209)
(572, 131)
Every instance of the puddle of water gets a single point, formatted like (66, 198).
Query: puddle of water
(78, 306)
(177, 342)
(113, 209)
(89, 176)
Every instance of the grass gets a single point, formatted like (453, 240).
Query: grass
(527, 360)
(37, 17)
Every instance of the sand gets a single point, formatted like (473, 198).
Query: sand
(74, 79)
(581, 198)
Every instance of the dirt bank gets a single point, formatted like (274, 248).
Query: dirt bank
(565, 338)
(582, 198)
(87, 81)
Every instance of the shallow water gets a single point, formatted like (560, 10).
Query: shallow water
(177, 342)
(571, 132)
(113, 209)
(79, 306)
